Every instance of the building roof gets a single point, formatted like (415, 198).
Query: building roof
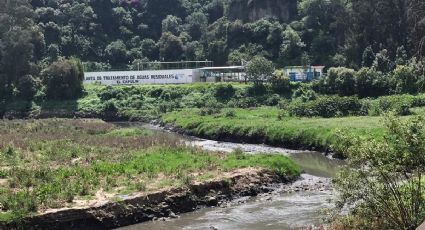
(305, 67)
(223, 68)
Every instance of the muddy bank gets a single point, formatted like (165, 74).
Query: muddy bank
(168, 203)
(254, 139)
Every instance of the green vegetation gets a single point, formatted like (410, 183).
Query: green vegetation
(46, 37)
(383, 180)
(268, 125)
(55, 163)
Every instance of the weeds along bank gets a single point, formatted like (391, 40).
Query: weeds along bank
(267, 125)
(59, 163)
(236, 112)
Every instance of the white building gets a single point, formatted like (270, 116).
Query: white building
(169, 76)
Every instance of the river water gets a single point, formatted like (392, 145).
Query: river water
(294, 206)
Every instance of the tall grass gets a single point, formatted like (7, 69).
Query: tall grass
(51, 163)
(266, 125)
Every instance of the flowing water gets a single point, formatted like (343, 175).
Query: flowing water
(295, 206)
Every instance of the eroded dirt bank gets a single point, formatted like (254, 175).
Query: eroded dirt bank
(167, 203)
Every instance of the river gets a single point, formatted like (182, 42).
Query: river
(294, 206)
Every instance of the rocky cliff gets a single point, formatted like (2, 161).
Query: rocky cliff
(252, 10)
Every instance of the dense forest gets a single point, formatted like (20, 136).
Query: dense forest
(117, 34)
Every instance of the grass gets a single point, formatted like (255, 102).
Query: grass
(265, 124)
(54, 163)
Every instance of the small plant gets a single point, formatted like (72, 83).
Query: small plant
(239, 154)
(140, 186)
(230, 113)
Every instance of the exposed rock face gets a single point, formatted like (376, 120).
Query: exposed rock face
(253, 10)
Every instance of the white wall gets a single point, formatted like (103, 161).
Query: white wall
(175, 76)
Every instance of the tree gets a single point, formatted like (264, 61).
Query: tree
(197, 24)
(259, 69)
(416, 19)
(171, 24)
(64, 79)
(149, 49)
(20, 41)
(116, 52)
(27, 87)
(291, 48)
(170, 47)
(195, 51)
(368, 57)
(383, 180)
(401, 56)
(383, 62)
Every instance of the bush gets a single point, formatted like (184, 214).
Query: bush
(229, 113)
(244, 102)
(280, 83)
(224, 92)
(405, 80)
(109, 93)
(326, 106)
(304, 94)
(391, 167)
(109, 107)
(371, 83)
(64, 79)
(399, 104)
(345, 82)
(273, 100)
(256, 90)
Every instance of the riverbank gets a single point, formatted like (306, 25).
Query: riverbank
(297, 205)
(57, 164)
(265, 126)
(168, 203)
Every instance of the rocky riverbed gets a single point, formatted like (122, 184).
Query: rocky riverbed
(287, 206)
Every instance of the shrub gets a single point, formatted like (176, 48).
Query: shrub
(371, 83)
(326, 106)
(244, 102)
(256, 90)
(155, 92)
(109, 107)
(64, 79)
(280, 83)
(345, 82)
(405, 80)
(109, 93)
(224, 92)
(392, 168)
(399, 104)
(304, 94)
(229, 113)
(273, 100)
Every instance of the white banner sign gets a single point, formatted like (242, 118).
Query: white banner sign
(177, 76)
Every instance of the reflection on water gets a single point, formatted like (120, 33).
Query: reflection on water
(279, 210)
